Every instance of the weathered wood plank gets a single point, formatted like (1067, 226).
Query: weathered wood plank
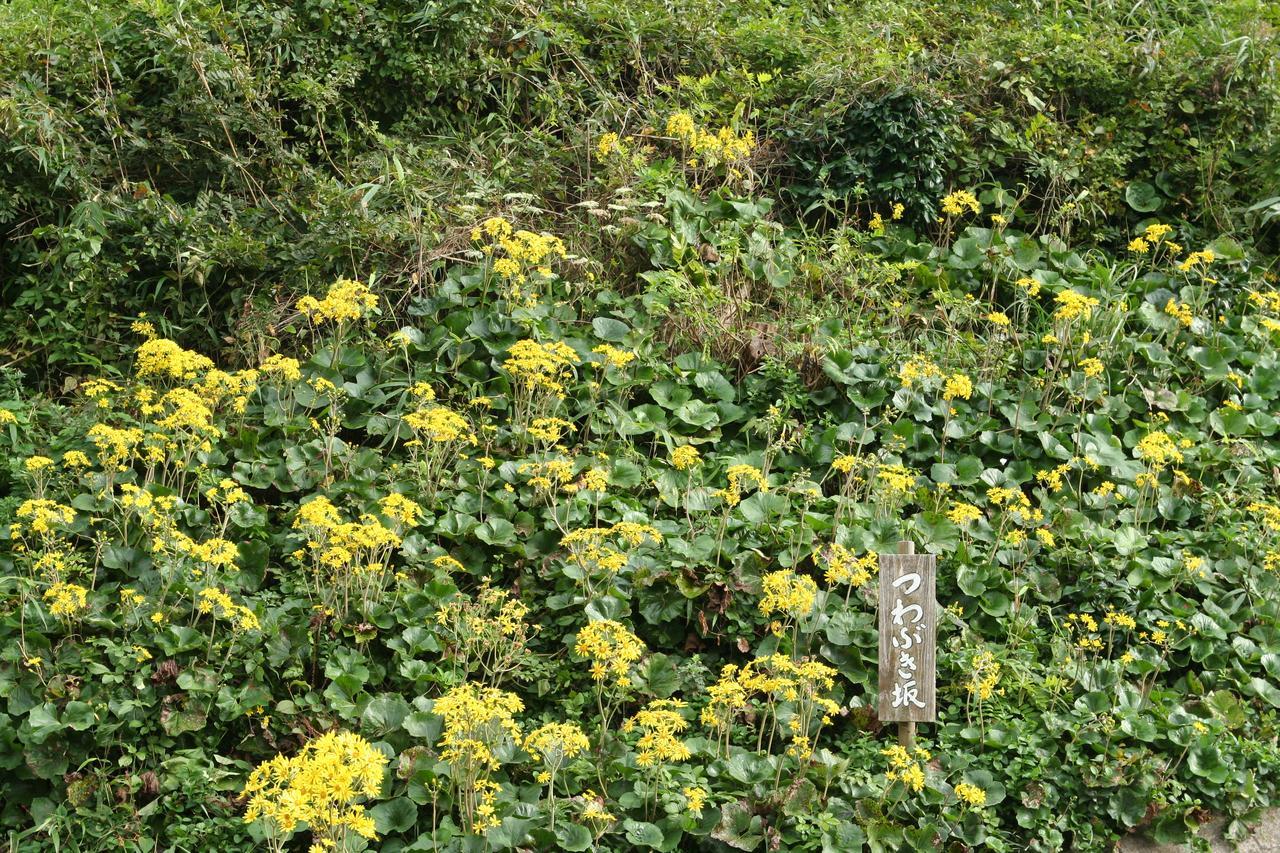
(908, 638)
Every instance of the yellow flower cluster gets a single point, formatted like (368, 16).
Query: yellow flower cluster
(548, 430)
(957, 386)
(592, 553)
(345, 554)
(1054, 478)
(345, 301)
(486, 632)
(1087, 628)
(216, 603)
(685, 457)
(227, 492)
(541, 367)
(984, 675)
(660, 723)
(918, 369)
(1158, 449)
(613, 357)
(235, 387)
(66, 600)
(722, 146)
(1124, 621)
(844, 568)
(774, 679)
(41, 517)
(788, 593)
(1205, 257)
(694, 800)
(612, 650)
(962, 513)
(1180, 311)
(896, 480)
(905, 767)
(1074, 306)
(739, 478)
(318, 787)
(549, 475)
(115, 446)
(36, 464)
(957, 202)
(476, 721)
(284, 367)
(971, 795)
(399, 508)
(163, 358)
(553, 743)
(441, 425)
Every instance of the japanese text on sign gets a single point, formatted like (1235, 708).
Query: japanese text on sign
(907, 638)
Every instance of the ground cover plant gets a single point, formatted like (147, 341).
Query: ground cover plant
(539, 570)
(503, 461)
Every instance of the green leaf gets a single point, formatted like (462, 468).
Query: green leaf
(1205, 760)
(1266, 690)
(609, 329)
(642, 833)
(398, 815)
(1143, 197)
(574, 838)
(78, 715)
(385, 713)
(41, 723)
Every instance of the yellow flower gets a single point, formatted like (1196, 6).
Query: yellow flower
(66, 600)
(345, 301)
(957, 202)
(784, 591)
(610, 648)
(1180, 311)
(75, 459)
(659, 723)
(997, 318)
(971, 795)
(918, 369)
(286, 368)
(607, 144)
(399, 508)
(695, 798)
(844, 568)
(963, 513)
(1073, 305)
(34, 464)
(555, 742)
(984, 675)
(163, 358)
(1092, 367)
(684, 457)
(476, 720)
(1158, 449)
(957, 386)
(319, 787)
(614, 357)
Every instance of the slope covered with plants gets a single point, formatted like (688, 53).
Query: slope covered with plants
(546, 515)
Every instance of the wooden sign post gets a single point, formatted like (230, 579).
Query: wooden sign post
(908, 635)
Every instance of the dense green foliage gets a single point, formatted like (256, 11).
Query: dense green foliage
(206, 160)
(758, 330)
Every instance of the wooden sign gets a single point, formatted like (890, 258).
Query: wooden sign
(908, 634)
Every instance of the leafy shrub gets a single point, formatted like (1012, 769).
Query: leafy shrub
(525, 521)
